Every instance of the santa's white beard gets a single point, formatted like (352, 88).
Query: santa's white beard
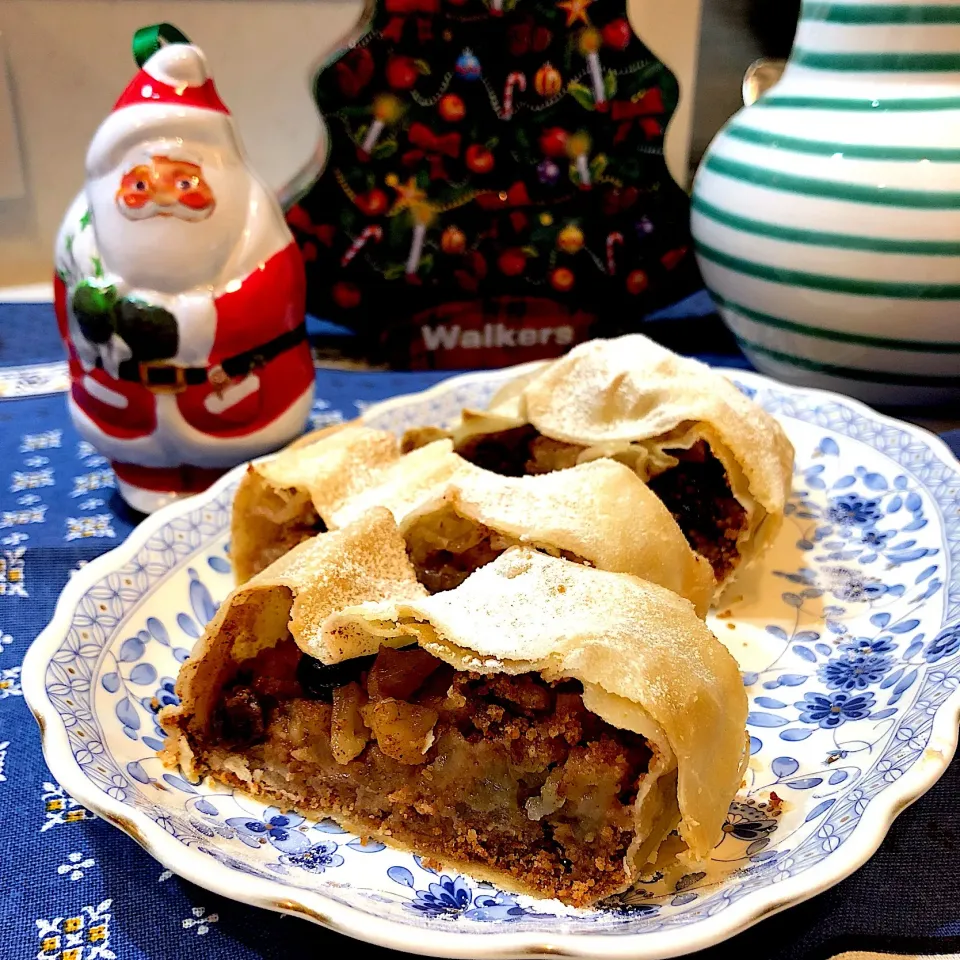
(169, 254)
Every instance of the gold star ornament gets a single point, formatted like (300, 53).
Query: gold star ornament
(576, 10)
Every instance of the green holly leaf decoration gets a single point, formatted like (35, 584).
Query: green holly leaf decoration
(85, 219)
(581, 94)
(426, 263)
(97, 267)
(384, 149)
(397, 232)
(68, 244)
(394, 271)
(610, 85)
(93, 299)
(597, 166)
(348, 220)
(649, 73)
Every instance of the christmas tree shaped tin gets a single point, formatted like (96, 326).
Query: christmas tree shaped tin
(495, 189)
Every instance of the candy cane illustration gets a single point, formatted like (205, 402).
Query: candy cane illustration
(373, 232)
(613, 240)
(514, 80)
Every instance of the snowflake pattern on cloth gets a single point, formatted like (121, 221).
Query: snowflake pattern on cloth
(58, 511)
(83, 936)
(12, 579)
(99, 525)
(75, 866)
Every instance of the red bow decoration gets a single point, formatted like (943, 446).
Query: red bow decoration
(394, 28)
(643, 110)
(617, 199)
(354, 71)
(516, 196)
(299, 219)
(526, 36)
(433, 147)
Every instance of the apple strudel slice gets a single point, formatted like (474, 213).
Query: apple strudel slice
(720, 463)
(544, 725)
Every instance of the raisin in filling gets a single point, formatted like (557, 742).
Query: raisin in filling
(508, 772)
(697, 493)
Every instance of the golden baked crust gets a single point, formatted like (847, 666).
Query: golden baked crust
(599, 512)
(294, 595)
(285, 499)
(631, 399)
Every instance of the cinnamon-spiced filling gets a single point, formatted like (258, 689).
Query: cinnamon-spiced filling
(697, 492)
(507, 772)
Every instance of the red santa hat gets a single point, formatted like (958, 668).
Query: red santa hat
(172, 98)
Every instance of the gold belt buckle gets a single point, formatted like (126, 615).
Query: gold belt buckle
(180, 377)
(218, 379)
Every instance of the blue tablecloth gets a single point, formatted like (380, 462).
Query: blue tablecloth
(69, 881)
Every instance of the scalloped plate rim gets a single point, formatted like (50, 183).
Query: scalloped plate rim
(218, 878)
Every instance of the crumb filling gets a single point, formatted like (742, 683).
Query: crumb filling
(696, 491)
(509, 772)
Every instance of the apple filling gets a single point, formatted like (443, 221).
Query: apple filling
(512, 773)
(445, 548)
(281, 519)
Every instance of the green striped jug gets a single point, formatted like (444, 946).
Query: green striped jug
(826, 216)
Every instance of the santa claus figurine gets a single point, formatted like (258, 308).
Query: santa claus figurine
(179, 291)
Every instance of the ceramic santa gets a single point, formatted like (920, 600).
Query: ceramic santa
(179, 291)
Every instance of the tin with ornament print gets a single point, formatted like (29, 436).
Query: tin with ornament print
(179, 291)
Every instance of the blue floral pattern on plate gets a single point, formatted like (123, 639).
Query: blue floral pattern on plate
(848, 637)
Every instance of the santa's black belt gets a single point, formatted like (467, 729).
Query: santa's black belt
(161, 376)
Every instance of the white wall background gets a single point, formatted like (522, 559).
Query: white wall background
(68, 60)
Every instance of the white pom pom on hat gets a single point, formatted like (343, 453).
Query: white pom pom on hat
(178, 65)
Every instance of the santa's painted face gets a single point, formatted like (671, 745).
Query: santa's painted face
(164, 187)
(171, 214)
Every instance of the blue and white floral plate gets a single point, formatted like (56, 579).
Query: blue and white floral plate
(848, 637)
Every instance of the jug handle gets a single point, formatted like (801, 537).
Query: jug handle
(761, 75)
